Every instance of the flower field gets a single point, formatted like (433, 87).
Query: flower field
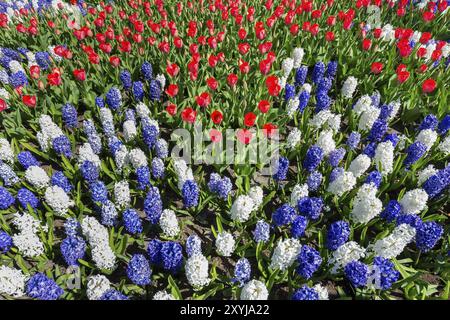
(225, 149)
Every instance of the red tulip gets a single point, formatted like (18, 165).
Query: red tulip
(244, 136)
(232, 79)
(29, 101)
(269, 129)
(172, 69)
(172, 90)
(377, 67)
(188, 115)
(3, 105)
(329, 36)
(264, 106)
(249, 119)
(215, 135)
(366, 44)
(35, 72)
(79, 74)
(54, 79)
(428, 86)
(402, 76)
(171, 109)
(272, 85)
(203, 100)
(114, 61)
(212, 83)
(216, 116)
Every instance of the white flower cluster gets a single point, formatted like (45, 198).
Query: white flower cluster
(142, 110)
(183, 172)
(169, 223)
(292, 106)
(98, 238)
(285, 253)
(225, 244)
(6, 152)
(428, 137)
(287, 65)
(297, 55)
(384, 157)
(244, 205)
(49, 131)
(58, 200)
(107, 120)
(27, 240)
(367, 113)
(162, 80)
(326, 141)
(424, 174)
(137, 158)
(197, 271)
(254, 290)
(366, 205)
(349, 87)
(298, 192)
(97, 285)
(122, 194)
(342, 183)
(121, 157)
(322, 291)
(414, 201)
(129, 130)
(348, 252)
(37, 177)
(326, 118)
(294, 138)
(85, 153)
(163, 295)
(394, 244)
(12, 282)
(359, 165)
(444, 146)
(388, 33)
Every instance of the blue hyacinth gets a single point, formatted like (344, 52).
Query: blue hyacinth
(305, 293)
(414, 153)
(378, 130)
(89, 171)
(300, 76)
(384, 273)
(298, 226)
(72, 249)
(40, 287)
(125, 79)
(62, 146)
(375, 178)
(427, 235)
(8, 175)
(410, 219)
(303, 99)
(313, 157)
(261, 232)
(171, 256)
(336, 156)
(138, 270)
(158, 168)
(132, 221)
(69, 116)
(429, 122)
(147, 71)
(283, 215)
(114, 98)
(311, 207)
(71, 227)
(444, 125)
(5, 242)
(357, 272)
(392, 210)
(353, 140)
(155, 90)
(109, 213)
(92, 135)
(338, 234)
(193, 245)
(26, 159)
(370, 149)
(6, 199)
(60, 180)
(153, 205)
(314, 180)
(242, 271)
(281, 169)
(138, 90)
(318, 72)
(309, 260)
(26, 197)
(190, 192)
(98, 190)
(143, 177)
(113, 294)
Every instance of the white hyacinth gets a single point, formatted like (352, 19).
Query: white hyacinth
(366, 205)
(292, 106)
(12, 282)
(359, 165)
(98, 238)
(394, 244)
(427, 137)
(362, 105)
(122, 194)
(349, 87)
(287, 65)
(343, 183)
(444, 146)
(49, 131)
(28, 243)
(137, 158)
(6, 152)
(322, 291)
(348, 252)
(297, 56)
(384, 157)
(368, 118)
(58, 200)
(142, 110)
(129, 130)
(37, 177)
(163, 295)
(326, 117)
(162, 80)
(326, 142)
(414, 201)
(183, 172)
(424, 174)
(307, 87)
(97, 285)
(298, 192)
(395, 109)
(121, 157)
(169, 223)
(294, 138)
(387, 32)
(85, 153)
(107, 120)
(225, 244)
(241, 209)
(197, 271)
(285, 254)
(254, 290)
(257, 195)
